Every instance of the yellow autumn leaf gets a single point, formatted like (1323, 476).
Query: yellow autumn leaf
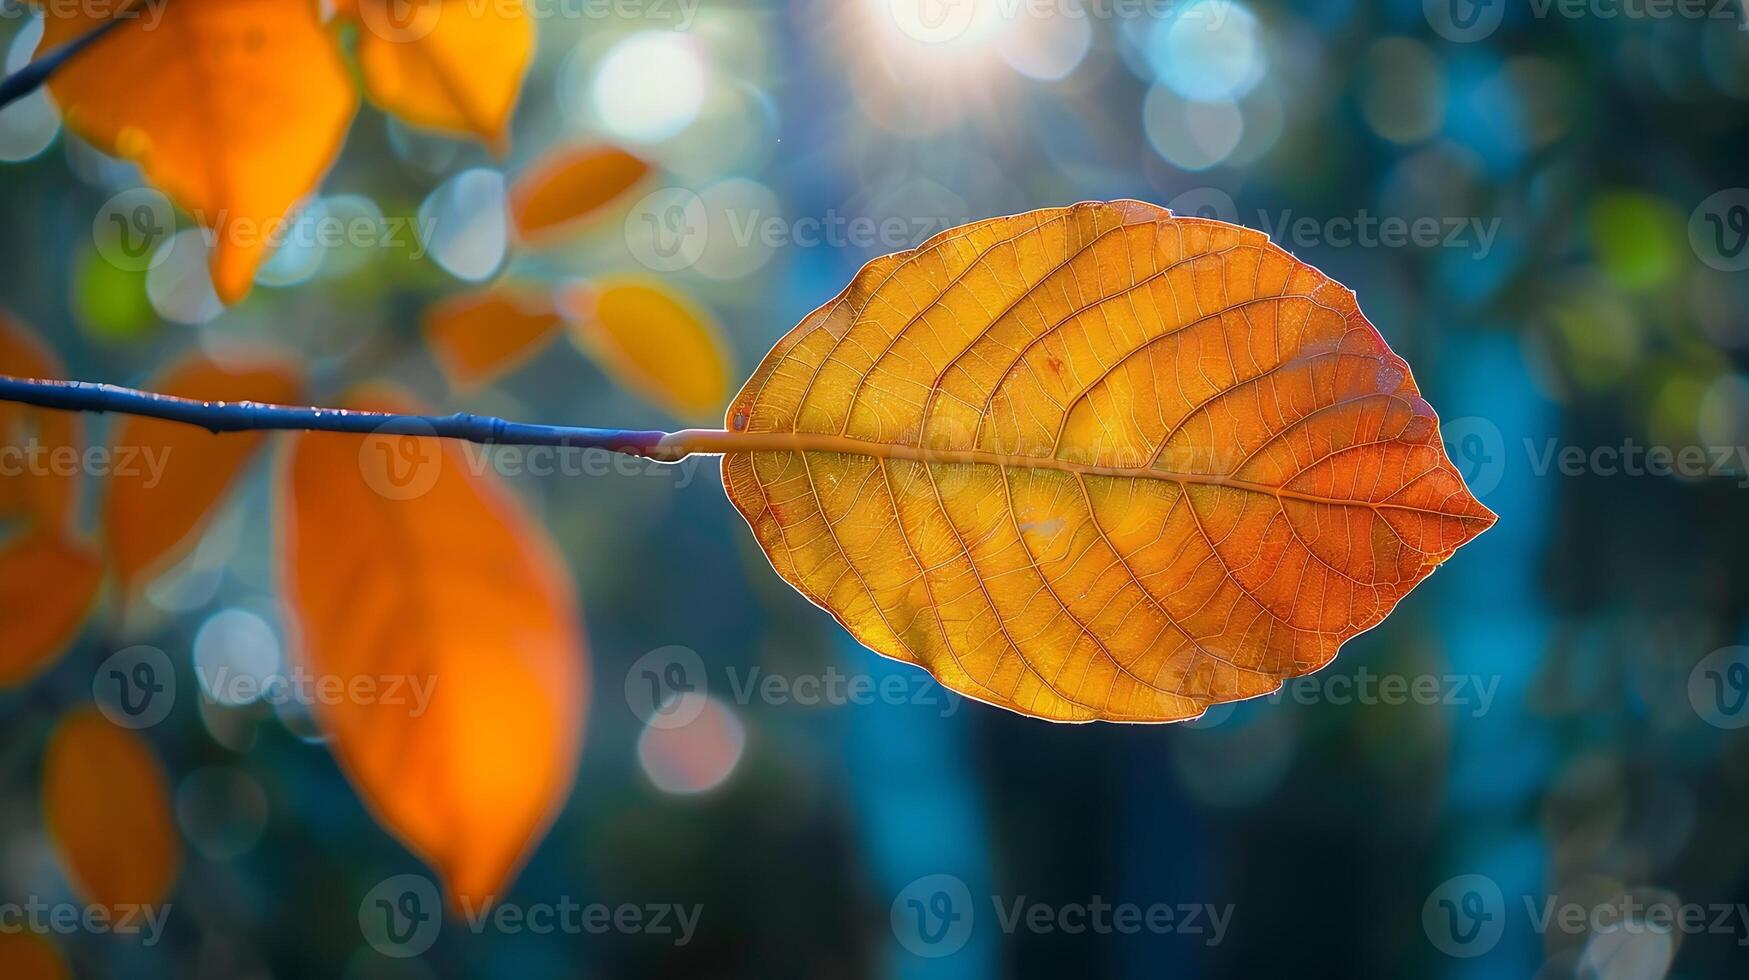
(454, 65)
(233, 108)
(480, 336)
(1097, 462)
(653, 340)
(169, 478)
(404, 565)
(107, 809)
(567, 187)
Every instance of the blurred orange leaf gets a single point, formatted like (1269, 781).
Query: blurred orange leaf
(454, 65)
(28, 956)
(401, 560)
(233, 108)
(568, 186)
(1097, 462)
(654, 341)
(107, 808)
(39, 449)
(479, 336)
(48, 582)
(167, 478)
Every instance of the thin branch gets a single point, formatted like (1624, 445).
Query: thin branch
(85, 396)
(663, 447)
(32, 76)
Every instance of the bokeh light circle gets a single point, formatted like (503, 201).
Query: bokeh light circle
(698, 756)
(649, 86)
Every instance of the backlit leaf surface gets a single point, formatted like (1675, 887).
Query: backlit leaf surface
(401, 560)
(233, 108)
(107, 808)
(168, 478)
(1097, 462)
(479, 336)
(454, 65)
(653, 341)
(568, 186)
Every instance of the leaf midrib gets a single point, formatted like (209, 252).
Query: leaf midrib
(721, 442)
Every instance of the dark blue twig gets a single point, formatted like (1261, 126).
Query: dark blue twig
(31, 77)
(85, 396)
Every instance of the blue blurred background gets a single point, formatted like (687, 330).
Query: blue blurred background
(1540, 205)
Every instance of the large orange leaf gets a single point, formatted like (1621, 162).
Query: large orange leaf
(167, 478)
(1097, 462)
(48, 582)
(454, 65)
(652, 340)
(480, 336)
(39, 449)
(568, 186)
(399, 561)
(29, 956)
(233, 108)
(107, 808)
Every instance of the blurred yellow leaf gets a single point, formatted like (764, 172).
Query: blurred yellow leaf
(233, 108)
(107, 808)
(654, 341)
(48, 582)
(480, 336)
(1096, 462)
(454, 65)
(166, 478)
(40, 450)
(568, 186)
(28, 956)
(403, 565)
